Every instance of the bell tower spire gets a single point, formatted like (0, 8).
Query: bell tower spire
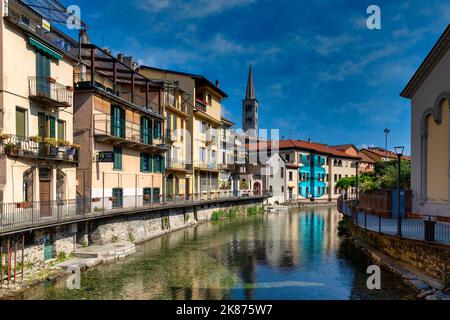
(250, 106)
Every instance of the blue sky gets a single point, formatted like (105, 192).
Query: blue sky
(319, 72)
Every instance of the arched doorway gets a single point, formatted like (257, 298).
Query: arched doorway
(257, 189)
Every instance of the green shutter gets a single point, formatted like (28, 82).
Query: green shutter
(150, 163)
(117, 158)
(52, 127)
(61, 131)
(20, 123)
(174, 122)
(122, 123)
(163, 161)
(142, 162)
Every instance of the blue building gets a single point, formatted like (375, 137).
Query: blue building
(312, 176)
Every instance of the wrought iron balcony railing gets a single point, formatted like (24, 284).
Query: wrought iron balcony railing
(36, 148)
(106, 129)
(48, 91)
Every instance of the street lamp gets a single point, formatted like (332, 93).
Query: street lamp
(386, 132)
(399, 152)
(357, 182)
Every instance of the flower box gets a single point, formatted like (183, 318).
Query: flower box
(96, 199)
(23, 205)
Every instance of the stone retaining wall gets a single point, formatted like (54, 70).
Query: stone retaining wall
(434, 259)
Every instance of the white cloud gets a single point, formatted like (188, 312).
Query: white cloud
(328, 45)
(191, 9)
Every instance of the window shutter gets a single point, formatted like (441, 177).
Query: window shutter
(52, 127)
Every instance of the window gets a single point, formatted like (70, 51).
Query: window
(282, 173)
(159, 164)
(51, 127)
(61, 130)
(21, 126)
(28, 186)
(117, 158)
(291, 176)
(335, 177)
(117, 198)
(288, 158)
(282, 189)
(146, 162)
(213, 156)
(157, 130)
(146, 130)
(117, 122)
(147, 193)
(42, 74)
(209, 98)
(156, 195)
(248, 108)
(214, 184)
(202, 154)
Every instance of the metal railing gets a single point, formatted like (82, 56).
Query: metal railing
(26, 147)
(23, 16)
(421, 227)
(29, 215)
(206, 165)
(83, 80)
(200, 105)
(130, 131)
(40, 87)
(176, 164)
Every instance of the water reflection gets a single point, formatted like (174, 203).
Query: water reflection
(296, 255)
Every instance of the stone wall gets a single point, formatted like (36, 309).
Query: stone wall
(434, 259)
(141, 227)
(135, 228)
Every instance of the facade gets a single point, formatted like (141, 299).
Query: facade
(37, 156)
(177, 111)
(250, 106)
(318, 168)
(119, 123)
(366, 164)
(205, 124)
(381, 155)
(428, 91)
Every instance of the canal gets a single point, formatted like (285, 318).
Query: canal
(281, 256)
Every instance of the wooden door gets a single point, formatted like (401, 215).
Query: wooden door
(45, 198)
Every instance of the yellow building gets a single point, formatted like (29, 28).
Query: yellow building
(203, 126)
(37, 156)
(429, 92)
(119, 124)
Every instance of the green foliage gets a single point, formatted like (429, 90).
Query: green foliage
(343, 227)
(166, 223)
(62, 256)
(131, 237)
(385, 177)
(222, 214)
(254, 210)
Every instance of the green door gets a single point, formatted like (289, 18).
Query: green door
(48, 247)
(42, 74)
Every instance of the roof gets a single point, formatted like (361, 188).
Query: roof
(433, 58)
(250, 93)
(365, 158)
(202, 79)
(308, 146)
(382, 153)
(228, 122)
(344, 147)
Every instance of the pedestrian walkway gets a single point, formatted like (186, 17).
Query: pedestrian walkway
(414, 229)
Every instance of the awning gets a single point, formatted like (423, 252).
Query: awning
(40, 46)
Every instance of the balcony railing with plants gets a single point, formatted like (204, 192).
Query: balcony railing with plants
(200, 105)
(38, 147)
(48, 90)
(209, 165)
(128, 131)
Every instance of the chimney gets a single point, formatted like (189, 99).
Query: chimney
(217, 83)
(128, 61)
(84, 37)
(309, 141)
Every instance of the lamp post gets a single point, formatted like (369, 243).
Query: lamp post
(399, 152)
(386, 132)
(357, 182)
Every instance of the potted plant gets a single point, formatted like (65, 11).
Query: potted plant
(4, 136)
(36, 139)
(9, 148)
(51, 145)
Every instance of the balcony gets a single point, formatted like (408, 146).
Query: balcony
(48, 92)
(37, 148)
(175, 165)
(205, 165)
(172, 135)
(200, 105)
(30, 20)
(128, 135)
(117, 92)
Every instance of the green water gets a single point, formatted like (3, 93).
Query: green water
(287, 256)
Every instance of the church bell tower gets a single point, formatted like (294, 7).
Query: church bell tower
(250, 107)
